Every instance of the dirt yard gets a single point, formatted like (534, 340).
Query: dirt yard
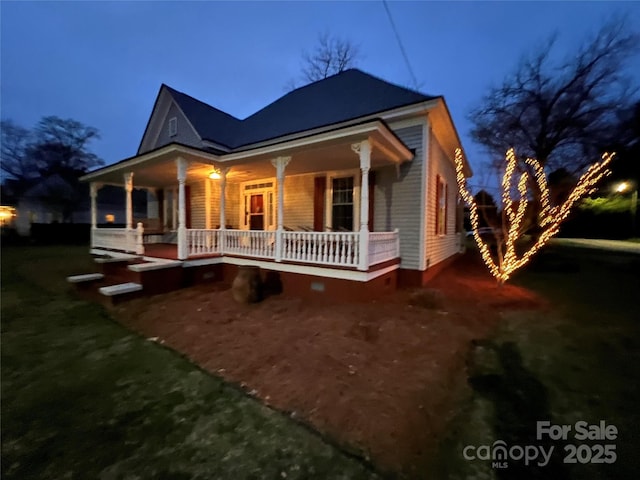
(381, 379)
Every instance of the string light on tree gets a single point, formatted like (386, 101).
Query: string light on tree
(507, 260)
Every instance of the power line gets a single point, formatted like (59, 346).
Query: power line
(402, 50)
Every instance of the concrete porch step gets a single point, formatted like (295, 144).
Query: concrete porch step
(123, 259)
(155, 265)
(120, 289)
(85, 278)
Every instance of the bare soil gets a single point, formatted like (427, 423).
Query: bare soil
(382, 379)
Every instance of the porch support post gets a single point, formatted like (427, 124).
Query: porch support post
(93, 192)
(223, 203)
(280, 163)
(207, 203)
(128, 186)
(93, 189)
(363, 149)
(183, 247)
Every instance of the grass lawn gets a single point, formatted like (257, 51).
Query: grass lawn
(577, 360)
(84, 398)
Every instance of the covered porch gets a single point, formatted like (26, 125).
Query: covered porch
(242, 210)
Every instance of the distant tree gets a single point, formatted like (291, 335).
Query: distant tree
(56, 145)
(331, 55)
(561, 113)
(15, 163)
(61, 146)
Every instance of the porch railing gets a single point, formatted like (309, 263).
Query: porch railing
(125, 239)
(250, 243)
(342, 249)
(203, 242)
(325, 248)
(383, 246)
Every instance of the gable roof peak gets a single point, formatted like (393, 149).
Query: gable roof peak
(344, 96)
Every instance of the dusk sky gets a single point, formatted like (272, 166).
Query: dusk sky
(102, 63)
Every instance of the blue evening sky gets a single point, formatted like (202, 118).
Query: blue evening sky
(103, 62)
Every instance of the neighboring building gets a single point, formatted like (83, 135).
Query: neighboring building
(55, 199)
(347, 181)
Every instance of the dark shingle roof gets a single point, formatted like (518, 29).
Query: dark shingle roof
(345, 96)
(210, 123)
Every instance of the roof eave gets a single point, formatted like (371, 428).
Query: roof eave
(128, 163)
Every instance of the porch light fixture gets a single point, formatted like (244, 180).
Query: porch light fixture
(215, 174)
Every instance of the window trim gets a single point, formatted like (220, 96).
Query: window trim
(173, 126)
(270, 209)
(355, 173)
(442, 204)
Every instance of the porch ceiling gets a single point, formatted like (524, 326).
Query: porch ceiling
(330, 151)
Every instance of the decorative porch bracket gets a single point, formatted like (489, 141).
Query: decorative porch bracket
(183, 247)
(363, 149)
(280, 163)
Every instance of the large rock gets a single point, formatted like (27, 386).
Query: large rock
(247, 286)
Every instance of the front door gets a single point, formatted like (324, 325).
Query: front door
(254, 210)
(257, 207)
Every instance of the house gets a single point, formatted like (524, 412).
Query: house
(56, 199)
(344, 187)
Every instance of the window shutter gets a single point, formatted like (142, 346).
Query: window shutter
(160, 199)
(187, 202)
(319, 188)
(437, 202)
(446, 206)
(372, 189)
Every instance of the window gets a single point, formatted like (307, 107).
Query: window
(342, 204)
(441, 206)
(173, 127)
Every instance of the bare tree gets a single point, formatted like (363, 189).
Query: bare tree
(15, 142)
(62, 146)
(56, 145)
(331, 55)
(560, 113)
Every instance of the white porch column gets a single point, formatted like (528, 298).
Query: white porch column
(223, 207)
(207, 203)
(280, 163)
(93, 189)
(183, 247)
(363, 149)
(223, 198)
(128, 186)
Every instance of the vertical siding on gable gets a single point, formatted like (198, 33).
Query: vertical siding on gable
(397, 198)
(440, 247)
(186, 134)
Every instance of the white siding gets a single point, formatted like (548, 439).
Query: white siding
(298, 201)
(397, 199)
(198, 204)
(440, 247)
(232, 205)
